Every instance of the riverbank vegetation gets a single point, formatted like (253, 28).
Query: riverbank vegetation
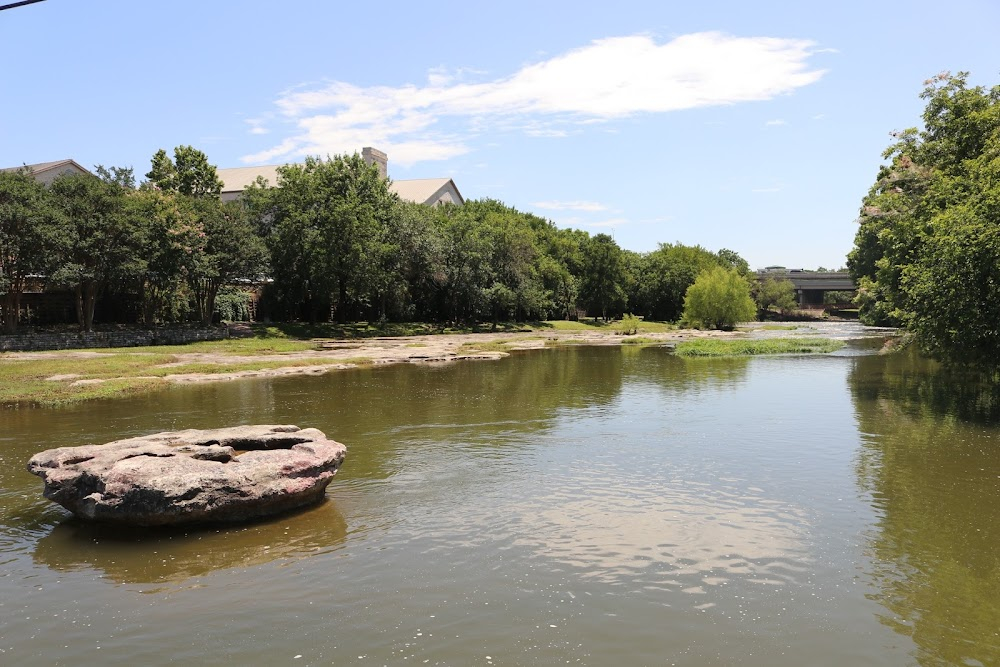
(328, 242)
(927, 251)
(708, 347)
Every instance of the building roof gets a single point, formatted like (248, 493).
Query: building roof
(424, 190)
(238, 178)
(42, 167)
(419, 190)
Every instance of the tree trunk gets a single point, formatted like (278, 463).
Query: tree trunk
(341, 301)
(208, 308)
(78, 290)
(89, 303)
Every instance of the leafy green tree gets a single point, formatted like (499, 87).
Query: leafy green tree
(103, 242)
(718, 299)
(665, 275)
(228, 249)
(189, 173)
(603, 284)
(925, 253)
(29, 239)
(171, 238)
(774, 292)
(328, 218)
(733, 260)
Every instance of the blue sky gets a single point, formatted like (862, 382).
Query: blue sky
(755, 126)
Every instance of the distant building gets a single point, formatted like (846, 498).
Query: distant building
(429, 191)
(46, 172)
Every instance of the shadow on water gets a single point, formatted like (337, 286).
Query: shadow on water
(930, 460)
(172, 555)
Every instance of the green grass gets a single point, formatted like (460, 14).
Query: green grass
(484, 346)
(779, 327)
(708, 347)
(124, 371)
(599, 325)
(233, 346)
(640, 340)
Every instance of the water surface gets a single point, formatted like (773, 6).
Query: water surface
(588, 506)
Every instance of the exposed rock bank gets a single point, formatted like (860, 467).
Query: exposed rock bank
(193, 476)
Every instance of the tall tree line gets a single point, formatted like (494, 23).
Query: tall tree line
(329, 240)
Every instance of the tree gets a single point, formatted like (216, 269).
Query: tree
(718, 299)
(603, 282)
(774, 292)
(926, 251)
(189, 173)
(327, 217)
(29, 239)
(102, 241)
(171, 240)
(665, 275)
(229, 249)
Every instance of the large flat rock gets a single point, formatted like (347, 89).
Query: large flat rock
(193, 476)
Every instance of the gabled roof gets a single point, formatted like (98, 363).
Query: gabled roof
(419, 190)
(42, 167)
(425, 190)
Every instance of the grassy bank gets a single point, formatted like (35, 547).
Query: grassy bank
(56, 379)
(709, 347)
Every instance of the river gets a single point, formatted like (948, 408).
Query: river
(582, 506)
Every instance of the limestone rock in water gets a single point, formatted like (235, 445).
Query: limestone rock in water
(226, 474)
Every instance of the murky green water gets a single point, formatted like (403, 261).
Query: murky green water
(590, 506)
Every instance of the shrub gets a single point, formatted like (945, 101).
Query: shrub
(628, 325)
(232, 304)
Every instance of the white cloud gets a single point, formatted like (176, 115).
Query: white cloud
(256, 126)
(608, 79)
(776, 122)
(570, 205)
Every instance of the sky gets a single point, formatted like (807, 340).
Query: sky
(753, 126)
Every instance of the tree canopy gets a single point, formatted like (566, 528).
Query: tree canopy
(189, 173)
(718, 299)
(329, 240)
(927, 250)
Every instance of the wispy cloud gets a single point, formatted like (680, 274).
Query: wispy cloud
(608, 79)
(611, 222)
(256, 126)
(776, 122)
(570, 205)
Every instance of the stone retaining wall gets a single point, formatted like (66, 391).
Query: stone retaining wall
(37, 342)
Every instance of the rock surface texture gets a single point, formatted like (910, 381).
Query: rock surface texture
(221, 475)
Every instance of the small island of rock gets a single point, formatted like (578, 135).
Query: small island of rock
(192, 476)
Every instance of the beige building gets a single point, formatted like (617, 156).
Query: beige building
(429, 191)
(46, 172)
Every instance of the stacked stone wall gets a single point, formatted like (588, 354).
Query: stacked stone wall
(39, 342)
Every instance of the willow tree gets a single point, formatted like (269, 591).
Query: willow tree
(718, 299)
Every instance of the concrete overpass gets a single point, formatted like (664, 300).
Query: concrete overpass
(810, 286)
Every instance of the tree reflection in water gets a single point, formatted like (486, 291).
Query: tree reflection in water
(930, 459)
